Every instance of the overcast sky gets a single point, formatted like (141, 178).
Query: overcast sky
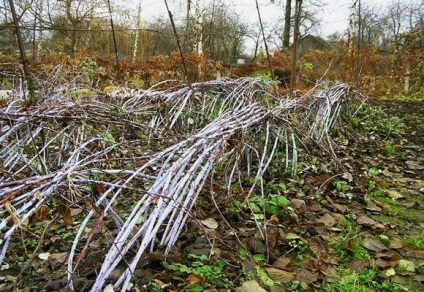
(333, 16)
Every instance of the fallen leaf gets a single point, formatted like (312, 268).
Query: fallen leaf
(373, 244)
(415, 253)
(256, 245)
(358, 265)
(382, 263)
(284, 263)
(390, 272)
(67, 215)
(297, 203)
(4, 267)
(415, 165)
(305, 275)
(292, 236)
(406, 265)
(274, 218)
(365, 220)
(395, 195)
(395, 243)
(317, 246)
(340, 208)
(419, 278)
(383, 184)
(210, 223)
(350, 244)
(42, 213)
(327, 219)
(194, 279)
(250, 286)
(387, 173)
(58, 258)
(44, 256)
(280, 276)
(373, 207)
(348, 176)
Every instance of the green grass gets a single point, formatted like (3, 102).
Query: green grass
(417, 241)
(364, 281)
(347, 245)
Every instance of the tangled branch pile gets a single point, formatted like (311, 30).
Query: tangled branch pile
(101, 153)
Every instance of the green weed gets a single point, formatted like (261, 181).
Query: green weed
(418, 242)
(390, 148)
(209, 272)
(364, 281)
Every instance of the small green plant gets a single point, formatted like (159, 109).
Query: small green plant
(374, 119)
(272, 204)
(347, 245)
(365, 280)
(152, 287)
(373, 188)
(210, 273)
(418, 242)
(298, 286)
(390, 148)
(302, 248)
(66, 235)
(340, 185)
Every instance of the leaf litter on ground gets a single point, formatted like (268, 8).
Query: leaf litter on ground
(234, 133)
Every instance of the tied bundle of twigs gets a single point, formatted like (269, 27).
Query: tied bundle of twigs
(57, 149)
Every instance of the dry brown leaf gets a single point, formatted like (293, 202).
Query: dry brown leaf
(395, 243)
(274, 218)
(194, 279)
(358, 265)
(256, 245)
(415, 254)
(67, 215)
(419, 278)
(373, 244)
(283, 263)
(210, 223)
(340, 208)
(395, 195)
(280, 276)
(297, 203)
(317, 246)
(42, 213)
(305, 275)
(327, 219)
(250, 286)
(406, 265)
(387, 173)
(349, 244)
(58, 258)
(365, 220)
(382, 263)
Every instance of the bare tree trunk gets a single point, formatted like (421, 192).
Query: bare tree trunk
(40, 32)
(177, 39)
(137, 32)
(115, 46)
(358, 47)
(352, 28)
(199, 34)
(298, 12)
(287, 24)
(25, 63)
(263, 36)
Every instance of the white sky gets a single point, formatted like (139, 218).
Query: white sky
(334, 15)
